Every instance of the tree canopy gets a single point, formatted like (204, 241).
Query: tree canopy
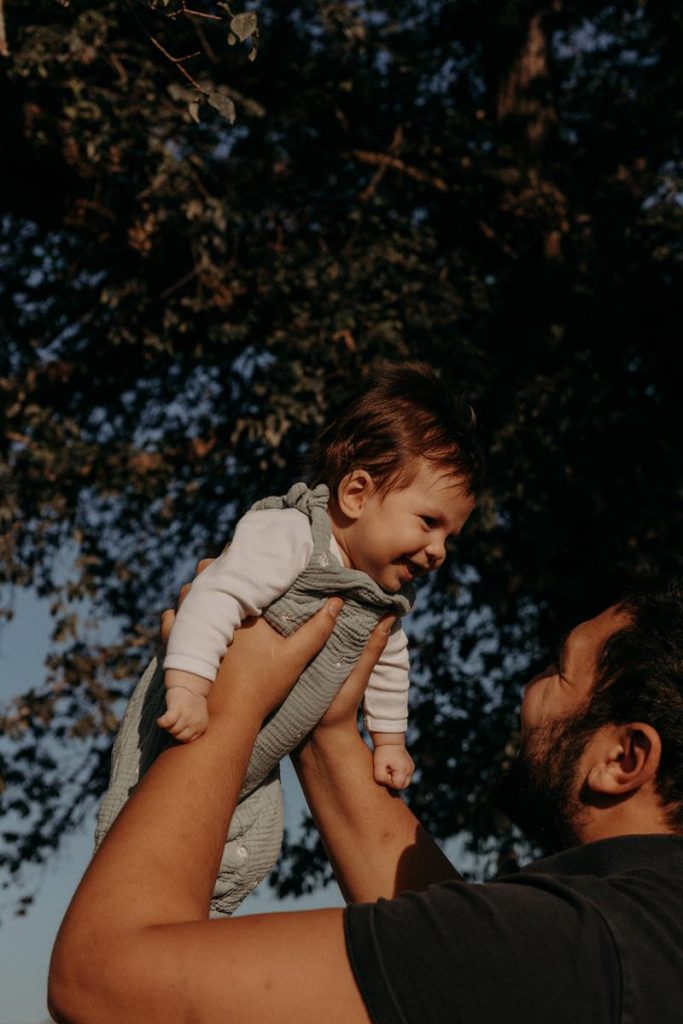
(202, 255)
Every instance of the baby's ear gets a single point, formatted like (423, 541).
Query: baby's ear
(353, 492)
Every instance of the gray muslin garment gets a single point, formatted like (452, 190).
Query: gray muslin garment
(254, 837)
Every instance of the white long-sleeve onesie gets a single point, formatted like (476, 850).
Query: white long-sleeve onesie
(269, 549)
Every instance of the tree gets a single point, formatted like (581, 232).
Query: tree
(493, 188)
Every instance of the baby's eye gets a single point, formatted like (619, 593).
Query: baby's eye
(429, 521)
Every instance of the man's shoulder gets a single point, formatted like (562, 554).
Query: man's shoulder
(634, 885)
(619, 876)
(610, 858)
(593, 934)
(486, 952)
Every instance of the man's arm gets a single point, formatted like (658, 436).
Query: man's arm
(375, 844)
(136, 943)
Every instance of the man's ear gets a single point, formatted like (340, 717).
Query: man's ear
(625, 758)
(353, 492)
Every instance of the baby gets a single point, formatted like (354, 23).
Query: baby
(402, 465)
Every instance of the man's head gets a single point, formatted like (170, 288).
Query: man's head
(602, 728)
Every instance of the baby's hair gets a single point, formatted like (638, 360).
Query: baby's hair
(408, 412)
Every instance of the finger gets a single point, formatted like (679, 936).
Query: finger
(176, 722)
(177, 729)
(382, 775)
(203, 564)
(166, 624)
(349, 697)
(313, 635)
(372, 651)
(167, 721)
(186, 734)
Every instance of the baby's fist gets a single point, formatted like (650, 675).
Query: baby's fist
(392, 765)
(187, 714)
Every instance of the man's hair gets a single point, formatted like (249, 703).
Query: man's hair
(407, 412)
(639, 678)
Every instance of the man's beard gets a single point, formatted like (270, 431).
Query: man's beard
(538, 791)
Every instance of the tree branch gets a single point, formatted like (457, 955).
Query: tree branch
(177, 61)
(383, 160)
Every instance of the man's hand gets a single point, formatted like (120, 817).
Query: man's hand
(258, 650)
(343, 711)
(261, 666)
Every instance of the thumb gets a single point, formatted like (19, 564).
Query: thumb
(313, 635)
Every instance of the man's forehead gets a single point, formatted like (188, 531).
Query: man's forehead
(586, 640)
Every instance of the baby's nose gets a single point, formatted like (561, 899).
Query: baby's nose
(436, 551)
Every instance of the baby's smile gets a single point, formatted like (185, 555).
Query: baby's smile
(413, 568)
(400, 534)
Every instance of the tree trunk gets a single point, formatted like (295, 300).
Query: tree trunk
(522, 93)
(517, 61)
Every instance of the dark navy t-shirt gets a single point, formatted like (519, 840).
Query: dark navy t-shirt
(593, 935)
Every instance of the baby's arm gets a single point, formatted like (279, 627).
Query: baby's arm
(268, 551)
(386, 714)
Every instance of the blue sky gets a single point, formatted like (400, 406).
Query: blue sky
(25, 942)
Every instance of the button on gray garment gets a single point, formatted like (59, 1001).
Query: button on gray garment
(255, 835)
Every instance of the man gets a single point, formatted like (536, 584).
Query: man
(594, 933)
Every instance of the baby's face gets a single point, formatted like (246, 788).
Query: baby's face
(402, 533)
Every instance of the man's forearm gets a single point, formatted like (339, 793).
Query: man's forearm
(374, 842)
(136, 943)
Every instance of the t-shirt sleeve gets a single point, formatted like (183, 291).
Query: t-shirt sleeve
(385, 704)
(269, 549)
(498, 953)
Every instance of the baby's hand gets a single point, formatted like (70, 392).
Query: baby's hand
(187, 714)
(392, 765)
